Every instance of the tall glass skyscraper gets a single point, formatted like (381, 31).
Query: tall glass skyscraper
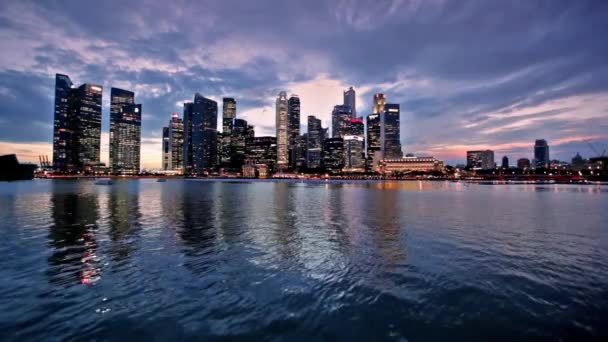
(125, 132)
(350, 100)
(341, 118)
(173, 144)
(76, 126)
(354, 155)
(390, 131)
(373, 135)
(241, 133)
(333, 154)
(541, 153)
(314, 143)
(200, 135)
(293, 128)
(282, 132)
(262, 150)
(228, 115)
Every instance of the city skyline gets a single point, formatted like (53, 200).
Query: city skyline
(457, 89)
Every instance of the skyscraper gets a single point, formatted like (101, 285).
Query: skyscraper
(282, 132)
(341, 118)
(293, 128)
(373, 143)
(241, 133)
(333, 154)
(200, 135)
(76, 126)
(390, 132)
(350, 100)
(228, 115)
(480, 160)
(505, 162)
(262, 150)
(125, 132)
(173, 144)
(354, 155)
(314, 143)
(357, 127)
(541, 153)
(379, 101)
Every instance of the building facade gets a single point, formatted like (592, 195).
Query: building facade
(228, 115)
(350, 98)
(241, 133)
(76, 126)
(390, 131)
(354, 153)
(341, 117)
(523, 163)
(262, 150)
(373, 142)
(480, 160)
(378, 105)
(200, 135)
(173, 144)
(333, 154)
(541, 153)
(505, 162)
(410, 164)
(293, 131)
(125, 132)
(314, 143)
(282, 132)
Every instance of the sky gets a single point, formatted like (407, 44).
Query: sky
(486, 74)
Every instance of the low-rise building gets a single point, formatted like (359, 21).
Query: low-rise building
(410, 163)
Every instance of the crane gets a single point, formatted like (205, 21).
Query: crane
(603, 154)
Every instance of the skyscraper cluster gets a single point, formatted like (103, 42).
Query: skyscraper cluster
(77, 129)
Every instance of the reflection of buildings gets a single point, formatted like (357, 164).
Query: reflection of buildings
(72, 238)
(125, 217)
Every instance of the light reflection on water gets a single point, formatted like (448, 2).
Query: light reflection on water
(188, 258)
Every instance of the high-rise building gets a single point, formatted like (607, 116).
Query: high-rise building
(241, 133)
(354, 153)
(341, 118)
(314, 143)
(262, 150)
(333, 154)
(357, 127)
(373, 143)
(200, 135)
(480, 160)
(166, 154)
(379, 101)
(390, 131)
(505, 162)
(523, 163)
(541, 153)
(125, 132)
(293, 130)
(228, 115)
(302, 150)
(76, 126)
(173, 144)
(282, 132)
(350, 100)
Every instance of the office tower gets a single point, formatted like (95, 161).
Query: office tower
(390, 132)
(480, 160)
(293, 130)
(357, 127)
(541, 153)
(228, 115)
(200, 135)
(373, 143)
(76, 126)
(125, 132)
(262, 151)
(354, 153)
(173, 144)
(523, 163)
(314, 143)
(379, 101)
(282, 132)
(241, 132)
(505, 162)
(350, 100)
(341, 118)
(166, 154)
(301, 153)
(333, 154)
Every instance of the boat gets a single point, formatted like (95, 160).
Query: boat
(12, 170)
(104, 181)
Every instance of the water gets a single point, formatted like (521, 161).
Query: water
(191, 260)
